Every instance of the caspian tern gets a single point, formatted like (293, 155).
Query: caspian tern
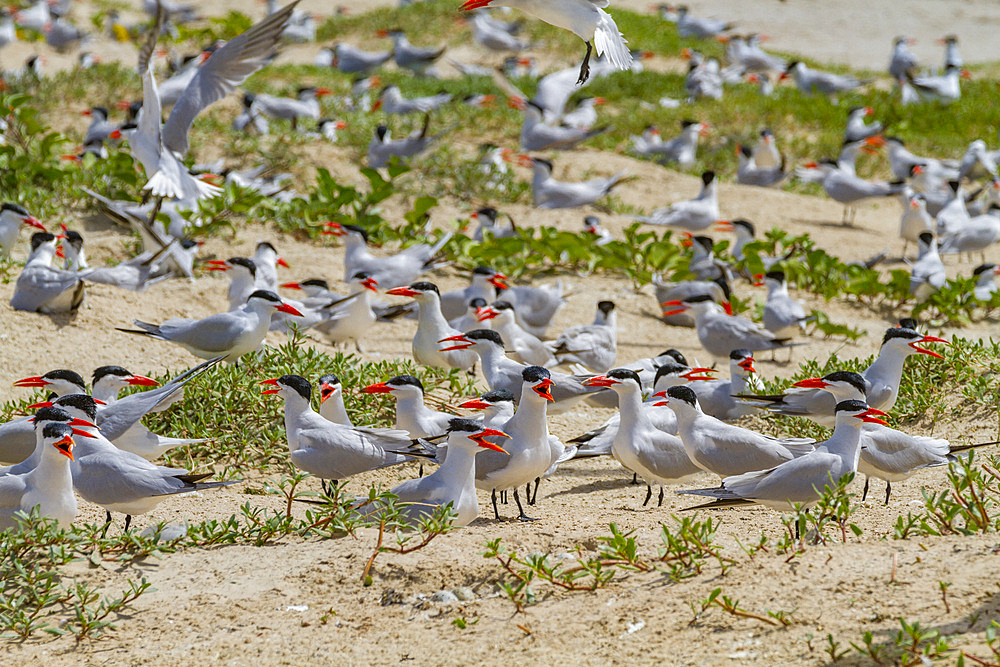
(537, 135)
(382, 148)
(765, 153)
(12, 216)
(522, 345)
(750, 173)
(721, 333)
(716, 397)
(48, 485)
(681, 149)
(547, 192)
(593, 346)
(432, 327)
(903, 61)
(391, 101)
(331, 400)
(392, 270)
(352, 60)
(783, 316)
(412, 415)
(41, 288)
(810, 81)
(927, 273)
(485, 283)
(417, 59)
(699, 27)
(693, 214)
(584, 18)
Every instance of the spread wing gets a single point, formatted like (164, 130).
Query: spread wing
(154, 34)
(222, 72)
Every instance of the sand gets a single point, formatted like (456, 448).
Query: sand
(302, 602)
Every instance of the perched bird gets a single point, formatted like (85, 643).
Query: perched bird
(750, 173)
(227, 335)
(305, 104)
(717, 397)
(48, 485)
(927, 274)
(584, 18)
(692, 214)
(537, 135)
(547, 192)
(408, 56)
(522, 345)
(721, 333)
(801, 480)
(681, 149)
(412, 414)
(331, 400)
(783, 315)
(485, 285)
(41, 288)
(432, 327)
(593, 346)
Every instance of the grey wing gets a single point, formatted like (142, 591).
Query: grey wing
(154, 34)
(119, 477)
(12, 488)
(222, 72)
(214, 333)
(37, 286)
(150, 119)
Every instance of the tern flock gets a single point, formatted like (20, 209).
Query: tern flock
(673, 420)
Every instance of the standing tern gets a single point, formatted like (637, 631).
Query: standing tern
(716, 397)
(749, 172)
(681, 149)
(810, 81)
(857, 129)
(121, 481)
(927, 274)
(849, 189)
(242, 278)
(693, 214)
(41, 288)
(158, 146)
(584, 18)
(528, 453)
(502, 372)
(454, 483)
(914, 221)
(903, 61)
(725, 449)
(801, 480)
(332, 451)
(47, 486)
(305, 104)
(412, 415)
(881, 380)
(382, 148)
(656, 456)
(417, 59)
(432, 327)
(547, 192)
(485, 283)
(592, 226)
(986, 285)
(391, 100)
(390, 271)
(12, 216)
(227, 335)
(765, 153)
(721, 333)
(522, 345)
(537, 135)
(593, 346)
(783, 315)
(352, 60)
(350, 319)
(331, 400)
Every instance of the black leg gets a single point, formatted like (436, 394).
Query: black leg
(649, 494)
(521, 516)
(527, 493)
(496, 512)
(128, 521)
(585, 67)
(864, 492)
(155, 212)
(635, 478)
(295, 123)
(420, 471)
(534, 496)
(798, 531)
(107, 523)
(659, 503)
(503, 496)
(888, 490)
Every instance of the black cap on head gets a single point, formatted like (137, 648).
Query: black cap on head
(266, 295)
(361, 275)
(982, 268)
(683, 393)
(675, 355)
(14, 208)
(591, 220)
(52, 413)
(791, 64)
(851, 406)
(478, 302)
(424, 286)
(503, 305)
(483, 271)
(854, 108)
(67, 375)
(740, 354)
(404, 380)
(705, 242)
(265, 244)
(535, 374)
(381, 131)
(485, 334)
(898, 332)
(74, 238)
(766, 132)
(707, 177)
(80, 402)
(298, 383)
(541, 161)
(669, 368)
(624, 374)
(776, 275)
(38, 238)
(698, 298)
(316, 282)
(464, 425)
(246, 263)
(56, 430)
(926, 237)
(329, 378)
(359, 230)
(745, 150)
(687, 122)
(745, 224)
(117, 371)
(498, 396)
(187, 244)
(851, 378)
(606, 307)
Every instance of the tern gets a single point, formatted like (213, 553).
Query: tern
(547, 192)
(418, 59)
(158, 146)
(810, 81)
(750, 173)
(721, 333)
(44, 416)
(454, 483)
(332, 451)
(485, 284)
(352, 60)
(656, 456)
(693, 214)
(765, 153)
(305, 104)
(783, 316)
(681, 149)
(350, 318)
(391, 100)
(537, 135)
(43, 289)
(857, 129)
(903, 61)
(717, 290)
(584, 18)
(412, 415)
(48, 485)
(12, 216)
(986, 285)
(528, 453)
(801, 480)
(331, 400)
(716, 397)
(725, 449)
(227, 335)
(593, 346)
(881, 379)
(432, 327)
(522, 345)
(927, 274)
(914, 221)
(699, 27)
(242, 278)
(945, 87)
(382, 148)
(390, 271)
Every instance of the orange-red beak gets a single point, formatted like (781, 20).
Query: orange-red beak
(693, 374)
(143, 381)
(480, 438)
(542, 389)
(600, 381)
(486, 313)
(928, 339)
(380, 388)
(403, 291)
(65, 447)
(475, 404)
(747, 365)
(812, 383)
(677, 307)
(499, 281)
(871, 415)
(463, 343)
(291, 310)
(274, 382)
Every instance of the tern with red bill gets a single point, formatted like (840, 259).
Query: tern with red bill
(857, 129)
(392, 270)
(725, 449)
(454, 483)
(807, 399)
(332, 452)
(520, 344)
(529, 452)
(656, 456)
(417, 59)
(160, 147)
(748, 172)
(927, 273)
(502, 372)
(331, 400)
(43, 417)
(432, 328)
(783, 315)
(593, 346)
(716, 396)
(242, 276)
(12, 217)
(498, 407)
(48, 485)
(903, 62)
(382, 148)
(721, 333)
(681, 149)
(537, 135)
(584, 18)
(351, 317)
(801, 480)
(694, 215)
(486, 284)
(41, 288)
(412, 415)
(227, 335)
(17, 437)
(305, 104)
(811, 81)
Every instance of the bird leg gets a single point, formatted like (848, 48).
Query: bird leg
(864, 492)
(585, 67)
(534, 496)
(888, 490)
(295, 123)
(128, 521)
(635, 478)
(496, 512)
(155, 212)
(106, 524)
(420, 470)
(659, 503)
(649, 494)
(522, 516)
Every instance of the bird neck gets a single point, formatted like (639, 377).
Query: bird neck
(333, 410)
(845, 441)
(887, 368)
(295, 406)
(430, 311)
(530, 416)
(459, 465)
(630, 405)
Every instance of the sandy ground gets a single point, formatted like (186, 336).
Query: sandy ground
(301, 602)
